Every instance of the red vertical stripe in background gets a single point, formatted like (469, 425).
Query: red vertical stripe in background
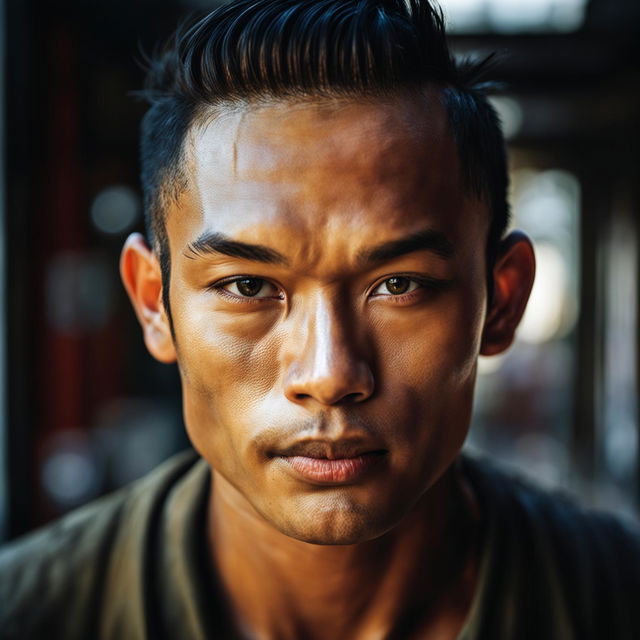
(61, 227)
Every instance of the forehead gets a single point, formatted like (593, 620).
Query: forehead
(372, 166)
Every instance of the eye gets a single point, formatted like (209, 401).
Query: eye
(396, 286)
(248, 287)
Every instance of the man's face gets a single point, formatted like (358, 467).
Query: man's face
(328, 367)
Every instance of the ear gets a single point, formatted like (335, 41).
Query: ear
(513, 275)
(141, 275)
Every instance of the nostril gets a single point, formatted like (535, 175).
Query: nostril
(341, 389)
(349, 398)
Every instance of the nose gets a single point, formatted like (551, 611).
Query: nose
(326, 365)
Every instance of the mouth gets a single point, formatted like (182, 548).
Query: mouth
(322, 462)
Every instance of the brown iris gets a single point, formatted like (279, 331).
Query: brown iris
(249, 286)
(397, 285)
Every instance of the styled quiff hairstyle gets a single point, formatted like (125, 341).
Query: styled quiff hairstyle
(256, 50)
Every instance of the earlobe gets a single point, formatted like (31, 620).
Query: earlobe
(141, 275)
(513, 276)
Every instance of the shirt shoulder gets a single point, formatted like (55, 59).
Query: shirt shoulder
(560, 569)
(53, 580)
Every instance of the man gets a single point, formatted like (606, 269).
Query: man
(326, 199)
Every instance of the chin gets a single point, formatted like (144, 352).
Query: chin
(334, 535)
(337, 524)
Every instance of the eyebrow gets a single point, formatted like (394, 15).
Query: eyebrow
(209, 243)
(426, 240)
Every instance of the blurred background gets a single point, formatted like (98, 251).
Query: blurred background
(84, 408)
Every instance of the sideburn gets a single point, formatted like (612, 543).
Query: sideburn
(164, 257)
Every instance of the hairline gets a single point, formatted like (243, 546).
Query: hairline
(205, 113)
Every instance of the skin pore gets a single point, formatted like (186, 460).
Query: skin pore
(328, 296)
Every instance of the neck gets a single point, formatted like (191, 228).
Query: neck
(419, 574)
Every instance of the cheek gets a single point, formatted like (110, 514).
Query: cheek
(226, 367)
(429, 371)
(435, 348)
(221, 354)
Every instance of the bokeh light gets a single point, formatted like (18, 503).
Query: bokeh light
(115, 209)
(514, 16)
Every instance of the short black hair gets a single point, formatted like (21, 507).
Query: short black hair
(260, 49)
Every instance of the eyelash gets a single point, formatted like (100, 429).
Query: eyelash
(425, 285)
(218, 288)
(433, 285)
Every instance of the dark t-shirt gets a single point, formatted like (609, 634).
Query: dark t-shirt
(135, 565)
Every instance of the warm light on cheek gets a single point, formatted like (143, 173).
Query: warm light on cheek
(225, 381)
(444, 332)
(225, 360)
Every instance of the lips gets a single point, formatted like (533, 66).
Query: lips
(340, 471)
(331, 462)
